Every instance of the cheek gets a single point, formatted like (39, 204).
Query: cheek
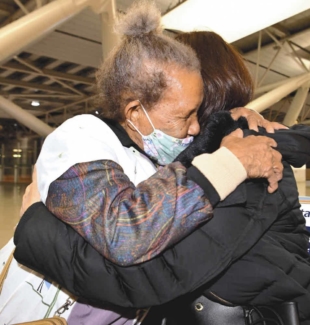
(144, 126)
(183, 127)
(176, 129)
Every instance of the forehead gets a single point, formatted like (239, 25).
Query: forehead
(185, 89)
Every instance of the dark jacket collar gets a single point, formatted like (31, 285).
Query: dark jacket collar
(123, 136)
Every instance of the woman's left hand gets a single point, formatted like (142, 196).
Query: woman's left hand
(255, 119)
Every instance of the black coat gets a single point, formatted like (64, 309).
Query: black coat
(208, 257)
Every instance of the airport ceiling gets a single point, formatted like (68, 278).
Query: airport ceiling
(58, 72)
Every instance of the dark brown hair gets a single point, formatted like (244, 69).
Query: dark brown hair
(138, 68)
(227, 81)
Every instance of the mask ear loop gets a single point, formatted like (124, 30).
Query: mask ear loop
(154, 130)
(150, 148)
(147, 115)
(135, 128)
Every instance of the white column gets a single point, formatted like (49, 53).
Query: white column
(109, 38)
(296, 105)
(29, 29)
(265, 101)
(24, 117)
(269, 87)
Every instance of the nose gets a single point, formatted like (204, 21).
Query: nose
(194, 127)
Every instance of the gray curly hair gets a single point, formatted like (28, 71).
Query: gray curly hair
(138, 67)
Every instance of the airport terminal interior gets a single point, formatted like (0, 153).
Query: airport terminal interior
(50, 52)
(48, 62)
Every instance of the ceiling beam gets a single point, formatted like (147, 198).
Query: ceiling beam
(280, 30)
(25, 117)
(6, 9)
(72, 104)
(22, 7)
(32, 85)
(38, 96)
(34, 68)
(19, 13)
(39, 3)
(265, 101)
(271, 44)
(49, 73)
(296, 105)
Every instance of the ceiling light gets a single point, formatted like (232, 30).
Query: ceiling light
(35, 103)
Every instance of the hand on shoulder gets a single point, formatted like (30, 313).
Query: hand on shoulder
(257, 156)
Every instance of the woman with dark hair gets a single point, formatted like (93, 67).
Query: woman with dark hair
(277, 267)
(227, 81)
(101, 178)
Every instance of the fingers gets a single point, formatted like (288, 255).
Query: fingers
(238, 133)
(268, 126)
(272, 126)
(254, 122)
(274, 179)
(278, 126)
(268, 141)
(237, 112)
(276, 173)
(273, 184)
(257, 156)
(255, 119)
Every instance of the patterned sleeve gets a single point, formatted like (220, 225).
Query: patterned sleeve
(128, 224)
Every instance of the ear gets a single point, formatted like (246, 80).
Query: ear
(132, 111)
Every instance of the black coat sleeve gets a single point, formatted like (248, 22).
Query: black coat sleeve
(47, 245)
(293, 144)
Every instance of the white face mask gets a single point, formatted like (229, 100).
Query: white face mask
(160, 146)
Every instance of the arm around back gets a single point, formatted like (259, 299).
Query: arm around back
(54, 249)
(58, 252)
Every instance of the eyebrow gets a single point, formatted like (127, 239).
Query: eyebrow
(196, 108)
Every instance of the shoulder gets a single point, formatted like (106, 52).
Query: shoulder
(80, 132)
(81, 139)
(82, 125)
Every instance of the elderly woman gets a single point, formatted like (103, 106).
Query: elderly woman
(101, 177)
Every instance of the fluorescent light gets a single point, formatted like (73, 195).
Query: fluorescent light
(16, 156)
(35, 103)
(233, 20)
(17, 150)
